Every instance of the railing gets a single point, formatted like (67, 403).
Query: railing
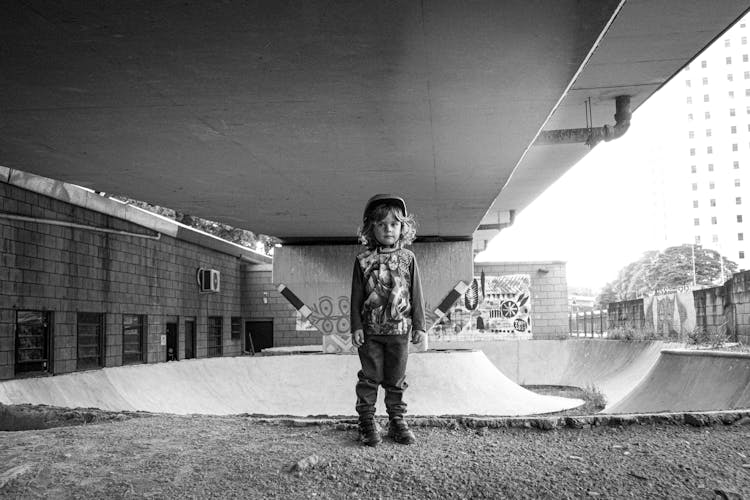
(588, 323)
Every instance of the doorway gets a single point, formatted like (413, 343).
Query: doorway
(190, 338)
(172, 342)
(33, 342)
(258, 335)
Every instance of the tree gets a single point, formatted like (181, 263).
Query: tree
(669, 269)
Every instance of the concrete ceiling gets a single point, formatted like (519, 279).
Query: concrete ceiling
(284, 117)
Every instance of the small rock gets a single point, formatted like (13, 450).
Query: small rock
(626, 453)
(574, 457)
(593, 493)
(305, 463)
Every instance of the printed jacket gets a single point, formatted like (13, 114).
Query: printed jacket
(386, 293)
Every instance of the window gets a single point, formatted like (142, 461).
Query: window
(728, 60)
(713, 220)
(736, 165)
(687, 83)
(739, 217)
(744, 57)
(690, 115)
(713, 202)
(747, 75)
(731, 94)
(689, 100)
(726, 42)
(697, 240)
(691, 135)
(733, 129)
(133, 338)
(743, 40)
(734, 147)
(215, 324)
(708, 132)
(695, 187)
(90, 334)
(706, 98)
(707, 115)
(710, 167)
(740, 236)
(236, 327)
(736, 183)
(738, 200)
(695, 203)
(742, 254)
(696, 222)
(33, 341)
(711, 185)
(703, 64)
(692, 151)
(709, 149)
(730, 77)
(732, 112)
(715, 238)
(705, 80)
(693, 169)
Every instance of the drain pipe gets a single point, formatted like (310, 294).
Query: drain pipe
(591, 136)
(54, 222)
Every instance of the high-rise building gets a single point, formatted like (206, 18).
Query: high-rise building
(716, 97)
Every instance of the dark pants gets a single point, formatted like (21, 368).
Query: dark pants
(383, 359)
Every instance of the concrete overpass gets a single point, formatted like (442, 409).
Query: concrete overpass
(282, 117)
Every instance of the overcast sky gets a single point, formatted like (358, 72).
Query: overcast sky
(601, 215)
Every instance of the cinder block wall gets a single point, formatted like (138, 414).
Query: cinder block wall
(739, 297)
(67, 270)
(549, 293)
(257, 285)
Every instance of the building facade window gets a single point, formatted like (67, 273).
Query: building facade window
(693, 169)
(215, 327)
(739, 217)
(695, 186)
(715, 238)
(709, 150)
(90, 339)
(696, 222)
(692, 151)
(695, 203)
(236, 330)
(689, 100)
(736, 183)
(736, 164)
(710, 167)
(133, 338)
(708, 132)
(742, 254)
(711, 185)
(713, 202)
(733, 129)
(738, 200)
(706, 98)
(732, 112)
(734, 147)
(728, 60)
(740, 236)
(730, 77)
(707, 115)
(697, 240)
(713, 220)
(691, 135)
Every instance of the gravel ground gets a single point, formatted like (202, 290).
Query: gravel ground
(168, 456)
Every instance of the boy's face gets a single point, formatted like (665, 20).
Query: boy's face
(388, 230)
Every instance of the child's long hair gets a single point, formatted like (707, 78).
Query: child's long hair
(366, 233)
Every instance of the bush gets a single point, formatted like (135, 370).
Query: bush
(593, 396)
(713, 336)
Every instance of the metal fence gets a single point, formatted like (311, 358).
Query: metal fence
(588, 323)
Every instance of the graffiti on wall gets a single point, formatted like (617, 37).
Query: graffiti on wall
(670, 315)
(502, 309)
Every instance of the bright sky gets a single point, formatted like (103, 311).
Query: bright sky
(600, 215)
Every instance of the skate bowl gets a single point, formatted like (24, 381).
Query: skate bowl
(635, 376)
(441, 383)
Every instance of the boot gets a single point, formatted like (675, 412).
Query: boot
(399, 431)
(369, 432)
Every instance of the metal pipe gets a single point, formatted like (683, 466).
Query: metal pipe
(591, 136)
(54, 222)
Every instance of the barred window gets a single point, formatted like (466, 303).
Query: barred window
(236, 327)
(133, 338)
(215, 327)
(90, 339)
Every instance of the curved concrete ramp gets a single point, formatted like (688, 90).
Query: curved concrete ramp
(614, 367)
(684, 380)
(441, 383)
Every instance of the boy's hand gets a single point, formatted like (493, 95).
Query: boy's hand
(358, 338)
(417, 337)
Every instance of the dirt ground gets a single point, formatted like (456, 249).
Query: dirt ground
(167, 456)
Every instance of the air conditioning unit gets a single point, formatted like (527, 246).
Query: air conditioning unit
(209, 280)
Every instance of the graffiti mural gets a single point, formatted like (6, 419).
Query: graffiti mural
(670, 315)
(500, 308)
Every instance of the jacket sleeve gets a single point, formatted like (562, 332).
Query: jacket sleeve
(357, 298)
(417, 300)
